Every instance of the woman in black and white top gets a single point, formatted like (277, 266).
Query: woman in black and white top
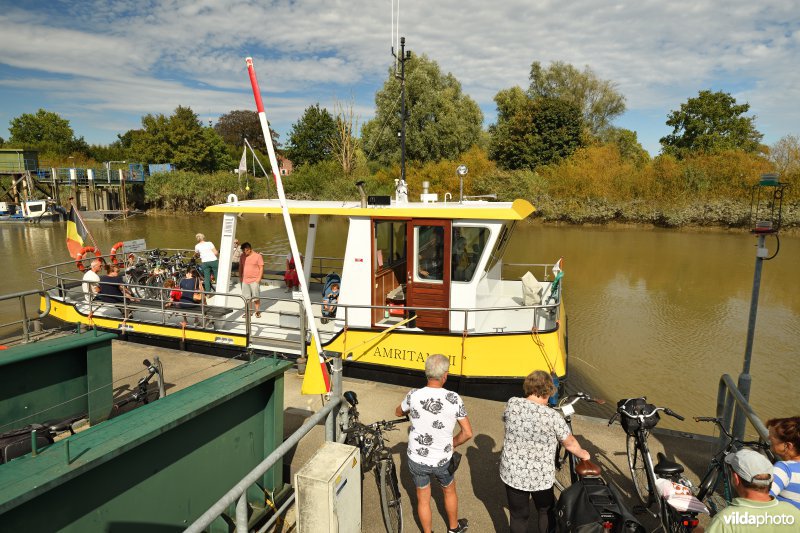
(532, 431)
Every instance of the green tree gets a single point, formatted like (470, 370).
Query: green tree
(785, 155)
(235, 126)
(627, 143)
(46, 131)
(532, 132)
(711, 122)
(598, 100)
(109, 152)
(180, 139)
(344, 144)
(442, 122)
(310, 139)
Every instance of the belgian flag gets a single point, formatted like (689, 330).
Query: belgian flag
(76, 233)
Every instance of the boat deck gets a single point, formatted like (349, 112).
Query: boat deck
(278, 327)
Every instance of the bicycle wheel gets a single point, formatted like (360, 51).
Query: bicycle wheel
(639, 472)
(714, 490)
(563, 476)
(154, 284)
(389, 491)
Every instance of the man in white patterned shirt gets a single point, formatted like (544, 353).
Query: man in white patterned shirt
(433, 412)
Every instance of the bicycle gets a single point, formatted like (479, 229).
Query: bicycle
(716, 489)
(20, 441)
(375, 456)
(678, 508)
(566, 463)
(140, 394)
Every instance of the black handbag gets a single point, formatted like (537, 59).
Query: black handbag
(455, 460)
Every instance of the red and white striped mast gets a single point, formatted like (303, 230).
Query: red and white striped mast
(316, 345)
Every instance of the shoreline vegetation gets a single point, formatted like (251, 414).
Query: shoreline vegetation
(595, 186)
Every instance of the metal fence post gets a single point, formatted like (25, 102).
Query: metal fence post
(336, 392)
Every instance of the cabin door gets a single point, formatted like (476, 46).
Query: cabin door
(389, 269)
(428, 274)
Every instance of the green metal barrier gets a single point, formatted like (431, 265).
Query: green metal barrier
(56, 379)
(158, 467)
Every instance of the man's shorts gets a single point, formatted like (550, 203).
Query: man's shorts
(251, 290)
(422, 474)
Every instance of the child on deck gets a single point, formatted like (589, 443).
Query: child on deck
(331, 298)
(174, 294)
(329, 301)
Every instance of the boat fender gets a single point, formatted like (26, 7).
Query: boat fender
(113, 254)
(85, 250)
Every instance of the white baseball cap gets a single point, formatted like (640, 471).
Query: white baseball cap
(748, 464)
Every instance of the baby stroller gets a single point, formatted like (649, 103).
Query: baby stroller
(330, 296)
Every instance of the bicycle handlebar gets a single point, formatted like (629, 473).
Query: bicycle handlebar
(666, 411)
(673, 414)
(380, 425)
(572, 399)
(732, 440)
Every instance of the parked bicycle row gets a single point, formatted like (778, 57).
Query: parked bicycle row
(541, 459)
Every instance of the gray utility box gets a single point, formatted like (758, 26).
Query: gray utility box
(328, 489)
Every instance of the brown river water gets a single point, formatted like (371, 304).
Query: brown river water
(661, 313)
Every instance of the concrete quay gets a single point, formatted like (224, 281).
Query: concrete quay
(481, 493)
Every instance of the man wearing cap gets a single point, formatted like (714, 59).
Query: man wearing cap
(754, 509)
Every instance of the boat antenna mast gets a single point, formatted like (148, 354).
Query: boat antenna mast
(401, 190)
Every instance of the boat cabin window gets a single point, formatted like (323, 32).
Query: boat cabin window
(35, 207)
(429, 254)
(390, 243)
(500, 247)
(469, 243)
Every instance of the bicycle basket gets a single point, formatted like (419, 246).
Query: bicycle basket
(637, 406)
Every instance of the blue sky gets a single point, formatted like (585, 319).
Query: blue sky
(104, 64)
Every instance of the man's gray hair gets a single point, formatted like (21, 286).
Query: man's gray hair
(436, 366)
(199, 236)
(96, 262)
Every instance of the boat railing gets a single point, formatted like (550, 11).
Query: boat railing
(550, 312)
(27, 326)
(285, 325)
(543, 272)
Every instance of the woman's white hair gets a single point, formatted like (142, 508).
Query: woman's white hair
(200, 237)
(436, 366)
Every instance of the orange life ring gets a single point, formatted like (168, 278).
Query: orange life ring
(85, 250)
(113, 254)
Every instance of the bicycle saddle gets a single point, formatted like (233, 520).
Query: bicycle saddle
(587, 469)
(667, 468)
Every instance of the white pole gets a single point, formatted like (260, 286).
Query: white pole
(312, 325)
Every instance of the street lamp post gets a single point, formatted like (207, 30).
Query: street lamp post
(461, 171)
(765, 219)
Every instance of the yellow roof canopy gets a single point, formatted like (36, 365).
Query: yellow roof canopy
(516, 210)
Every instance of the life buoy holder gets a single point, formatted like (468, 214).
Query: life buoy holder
(85, 250)
(113, 254)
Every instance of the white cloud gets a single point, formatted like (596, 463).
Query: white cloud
(140, 57)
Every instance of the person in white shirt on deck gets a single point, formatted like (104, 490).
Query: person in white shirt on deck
(91, 279)
(209, 256)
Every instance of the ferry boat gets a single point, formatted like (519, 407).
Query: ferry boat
(416, 279)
